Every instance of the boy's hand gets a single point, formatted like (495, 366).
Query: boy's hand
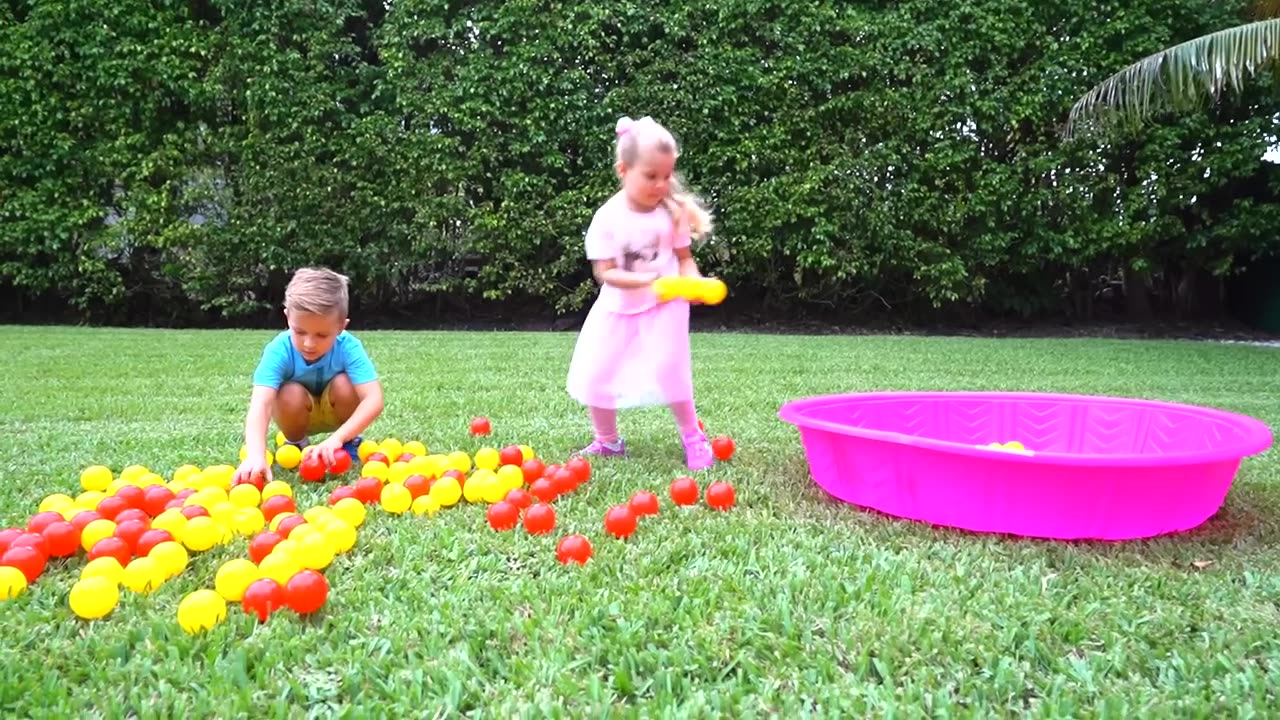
(326, 449)
(251, 467)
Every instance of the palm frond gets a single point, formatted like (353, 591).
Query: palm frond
(1181, 76)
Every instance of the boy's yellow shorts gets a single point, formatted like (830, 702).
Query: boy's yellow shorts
(323, 418)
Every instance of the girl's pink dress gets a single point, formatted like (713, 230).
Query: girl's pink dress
(633, 350)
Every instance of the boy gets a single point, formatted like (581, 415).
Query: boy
(313, 377)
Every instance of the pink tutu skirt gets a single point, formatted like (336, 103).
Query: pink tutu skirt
(630, 360)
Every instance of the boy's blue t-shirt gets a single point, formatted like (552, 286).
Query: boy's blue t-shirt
(281, 362)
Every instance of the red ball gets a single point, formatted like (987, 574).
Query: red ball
(481, 426)
(258, 480)
(417, 485)
(684, 491)
(379, 457)
(185, 493)
(82, 519)
(544, 489)
(341, 462)
(63, 539)
(32, 540)
(195, 511)
(340, 492)
(539, 519)
(131, 494)
(511, 455)
(565, 481)
(109, 507)
(287, 525)
(503, 515)
(277, 504)
(174, 504)
(532, 469)
(519, 497)
(306, 592)
(7, 536)
(150, 539)
(42, 520)
(720, 495)
(262, 545)
(573, 548)
(155, 499)
(644, 503)
(551, 470)
(112, 547)
(312, 468)
(581, 469)
(131, 531)
(369, 490)
(26, 559)
(619, 521)
(722, 447)
(405, 457)
(133, 515)
(262, 598)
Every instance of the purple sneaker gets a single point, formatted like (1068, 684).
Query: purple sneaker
(596, 447)
(697, 452)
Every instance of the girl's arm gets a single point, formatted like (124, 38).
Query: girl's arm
(688, 266)
(607, 272)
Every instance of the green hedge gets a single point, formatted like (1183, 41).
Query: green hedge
(859, 155)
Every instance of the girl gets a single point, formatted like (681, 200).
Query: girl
(633, 349)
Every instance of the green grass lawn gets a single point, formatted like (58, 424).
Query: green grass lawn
(790, 604)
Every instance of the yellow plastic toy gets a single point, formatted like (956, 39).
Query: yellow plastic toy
(708, 291)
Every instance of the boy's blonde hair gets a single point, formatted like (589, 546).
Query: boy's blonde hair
(636, 137)
(318, 291)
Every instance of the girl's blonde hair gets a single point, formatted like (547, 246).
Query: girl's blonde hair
(636, 137)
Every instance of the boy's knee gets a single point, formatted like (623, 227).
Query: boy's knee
(292, 397)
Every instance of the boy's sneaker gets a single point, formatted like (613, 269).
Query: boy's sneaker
(605, 449)
(300, 444)
(353, 448)
(697, 452)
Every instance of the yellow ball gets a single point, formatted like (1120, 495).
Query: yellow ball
(185, 473)
(95, 531)
(96, 477)
(201, 534)
(395, 498)
(279, 567)
(367, 448)
(105, 567)
(172, 520)
(351, 511)
(201, 610)
(281, 440)
(392, 448)
(277, 487)
(150, 479)
(219, 476)
(288, 456)
(315, 515)
(414, 447)
(712, 291)
(142, 575)
(374, 468)
(425, 505)
(90, 498)
(54, 502)
(286, 547)
(302, 532)
(459, 461)
(439, 464)
(245, 496)
(93, 597)
(224, 512)
(233, 577)
(248, 521)
(510, 477)
(115, 485)
(12, 582)
(70, 511)
(340, 535)
(422, 465)
(527, 453)
(1015, 445)
(398, 472)
(482, 485)
(133, 472)
(487, 458)
(446, 491)
(279, 518)
(171, 556)
(211, 496)
(315, 552)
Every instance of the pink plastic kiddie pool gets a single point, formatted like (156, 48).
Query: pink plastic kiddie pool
(1093, 467)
